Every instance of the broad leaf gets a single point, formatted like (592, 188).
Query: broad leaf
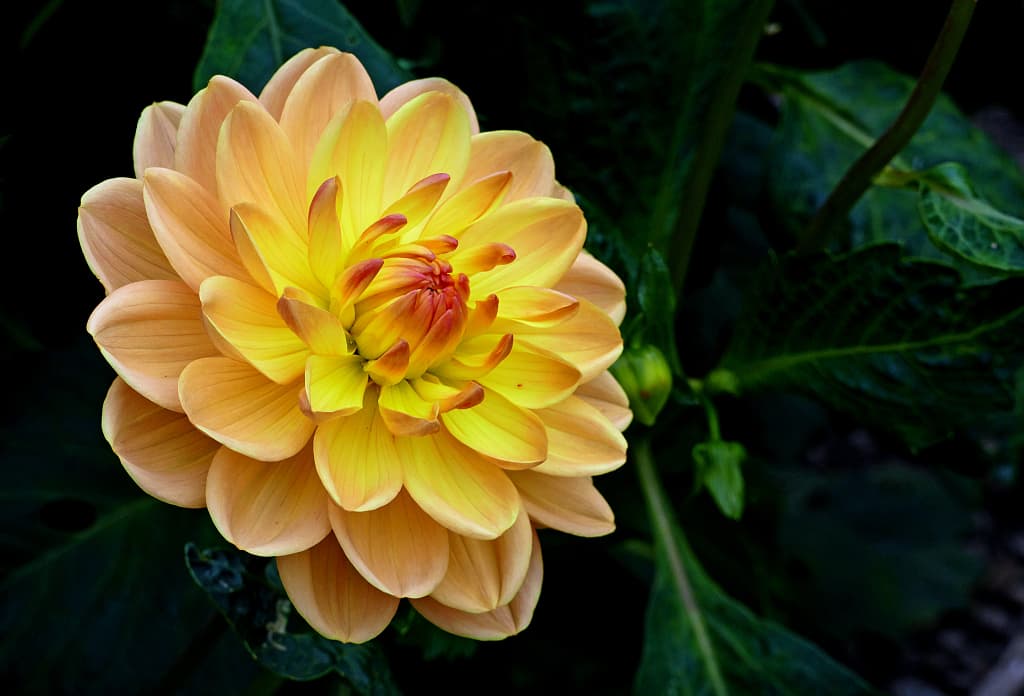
(250, 40)
(719, 470)
(896, 342)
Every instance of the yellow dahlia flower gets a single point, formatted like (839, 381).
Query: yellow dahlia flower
(365, 336)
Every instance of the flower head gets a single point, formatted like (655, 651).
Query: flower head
(365, 336)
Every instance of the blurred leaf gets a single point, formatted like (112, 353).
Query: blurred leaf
(407, 10)
(657, 300)
(435, 643)
(250, 40)
(248, 593)
(896, 342)
(718, 468)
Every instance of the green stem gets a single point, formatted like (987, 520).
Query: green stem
(712, 415)
(712, 139)
(666, 537)
(860, 175)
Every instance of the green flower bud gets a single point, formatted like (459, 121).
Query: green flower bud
(646, 378)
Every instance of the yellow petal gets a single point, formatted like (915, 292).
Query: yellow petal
(581, 440)
(116, 238)
(326, 248)
(532, 378)
(398, 548)
(571, 505)
(162, 452)
(324, 89)
(405, 413)
(246, 317)
(469, 205)
(589, 279)
(335, 384)
(500, 623)
(191, 227)
(470, 363)
(540, 307)
(457, 487)
(267, 508)
(427, 135)
(484, 575)
(196, 152)
(405, 92)
(269, 248)
(530, 161)
(319, 329)
(281, 83)
(149, 331)
(420, 199)
(332, 596)
(256, 164)
(156, 136)
(501, 430)
(239, 407)
(545, 233)
(448, 396)
(607, 396)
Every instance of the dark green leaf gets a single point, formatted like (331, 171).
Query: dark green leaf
(657, 300)
(719, 469)
(249, 40)
(896, 342)
(248, 593)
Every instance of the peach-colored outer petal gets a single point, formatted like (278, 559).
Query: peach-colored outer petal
(500, 623)
(237, 406)
(571, 505)
(529, 160)
(403, 93)
(591, 280)
(116, 239)
(332, 596)
(608, 397)
(156, 136)
(275, 93)
(162, 452)
(149, 331)
(499, 429)
(484, 575)
(581, 440)
(267, 508)
(398, 548)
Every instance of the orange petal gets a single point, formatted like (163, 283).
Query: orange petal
(116, 239)
(474, 364)
(398, 548)
(162, 452)
(191, 227)
(406, 92)
(484, 575)
(581, 440)
(270, 249)
(457, 487)
(501, 430)
(267, 508)
(332, 596)
(149, 331)
(500, 623)
(608, 397)
(390, 367)
(448, 396)
(420, 199)
(530, 161)
(532, 378)
(239, 407)
(540, 307)
(591, 280)
(281, 83)
(326, 250)
(156, 136)
(246, 317)
(405, 413)
(319, 329)
(335, 384)
(571, 505)
(196, 153)
(324, 89)
(469, 205)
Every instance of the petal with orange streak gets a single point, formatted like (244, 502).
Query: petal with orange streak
(267, 508)
(406, 92)
(532, 378)
(529, 160)
(256, 164)
(246, 317)
(281, 83)
(324, 89)
(237, 406)
(581, 440)
(321, 330)
(570, 505)
(501, 430)
(196, 153)
(542, 307)
(406, 413)
(545, 233)
(398, 548)
(149, 331)
(191, 227)
(591, 280)
(457, 487)
(484, 575)
(608, 397)
(156, 136)
(331, 595)
(500, 623)
(116, 238)
(427, 135)
(162, 452)
(468, 205)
